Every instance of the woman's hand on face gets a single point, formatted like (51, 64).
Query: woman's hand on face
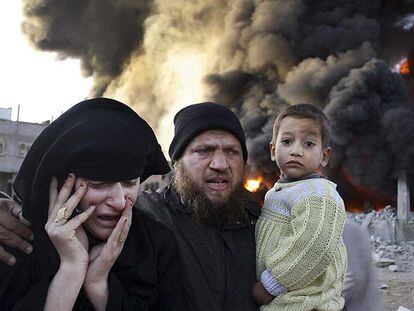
(103, 256)
(68, 236)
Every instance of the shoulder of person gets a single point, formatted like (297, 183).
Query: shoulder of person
(354, 232)
(150, 224)
(318, 187)
(251, 203)
(155, 206)
(147, 199)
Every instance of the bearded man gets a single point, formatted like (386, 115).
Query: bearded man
(210, 214)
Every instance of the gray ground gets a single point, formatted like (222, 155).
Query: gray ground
(400, 291)
(400, 284)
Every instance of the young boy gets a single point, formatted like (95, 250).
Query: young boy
(301, 258)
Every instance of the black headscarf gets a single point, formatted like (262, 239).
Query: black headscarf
(100, 139)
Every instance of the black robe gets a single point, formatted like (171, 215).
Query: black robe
(219, 267)
(146, 275)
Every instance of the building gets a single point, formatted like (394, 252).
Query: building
(155, 181)
(15, 140)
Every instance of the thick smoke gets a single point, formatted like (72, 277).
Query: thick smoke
(137, 51)
(332, 46)
(101, 33)
(166, 72)
(368, 109)
(256, 57)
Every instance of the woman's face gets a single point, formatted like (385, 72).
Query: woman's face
(110, 199)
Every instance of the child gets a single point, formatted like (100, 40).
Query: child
(301, 258)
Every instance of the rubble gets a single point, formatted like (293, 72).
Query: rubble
(388, 254)
(384, 262)
(381, 261)
(383, 286)
(394, 268)
(398, 254)
(381, 224)
(392, 256)
(387, 250)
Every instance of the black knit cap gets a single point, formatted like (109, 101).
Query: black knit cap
(195, 119)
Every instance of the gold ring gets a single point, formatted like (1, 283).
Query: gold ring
(120, 240)
(60, 216)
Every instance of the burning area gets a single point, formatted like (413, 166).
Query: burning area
(256, 57)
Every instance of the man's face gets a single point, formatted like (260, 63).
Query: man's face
(214, 162)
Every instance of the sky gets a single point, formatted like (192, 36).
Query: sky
(42, 85)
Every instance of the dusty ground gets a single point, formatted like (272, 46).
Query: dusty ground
(400, 284)
(400, 291)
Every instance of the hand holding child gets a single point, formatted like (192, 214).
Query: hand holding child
(260, 295)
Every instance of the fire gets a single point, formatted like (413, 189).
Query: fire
(406, 67)
(358, 196)
(253, 184)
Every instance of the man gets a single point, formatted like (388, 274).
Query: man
(360, 290)
(14, 231)
(207, 208)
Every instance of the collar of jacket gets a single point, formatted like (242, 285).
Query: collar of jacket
(172, 198)
(284, 179)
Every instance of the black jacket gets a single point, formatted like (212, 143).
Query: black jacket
(146, 275)
(219, 265)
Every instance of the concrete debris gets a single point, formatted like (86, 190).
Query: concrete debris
(386, 253)
(394, 268)
(386, 248)
(384, 262)
(383, 286)
(381, 224)
(392, 252)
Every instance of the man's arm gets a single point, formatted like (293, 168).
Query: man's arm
(14, 230)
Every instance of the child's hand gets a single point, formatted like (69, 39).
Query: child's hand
(260, 295)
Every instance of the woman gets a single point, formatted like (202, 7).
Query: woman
(92, 249)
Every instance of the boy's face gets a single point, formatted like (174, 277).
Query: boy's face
(298, 149)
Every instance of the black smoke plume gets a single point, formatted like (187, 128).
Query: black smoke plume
(256, 57)
(101, 33)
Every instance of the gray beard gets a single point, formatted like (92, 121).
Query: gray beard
(202, 210)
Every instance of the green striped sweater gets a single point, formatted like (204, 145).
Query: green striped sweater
(299, 244)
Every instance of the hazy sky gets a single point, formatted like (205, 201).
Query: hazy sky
(43, 86)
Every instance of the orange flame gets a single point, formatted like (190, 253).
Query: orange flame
(361, 195)
(253, 184)
(405, 67)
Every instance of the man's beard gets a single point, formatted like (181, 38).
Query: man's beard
(202, 209)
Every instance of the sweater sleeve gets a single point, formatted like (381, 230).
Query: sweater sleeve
(316, 231)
